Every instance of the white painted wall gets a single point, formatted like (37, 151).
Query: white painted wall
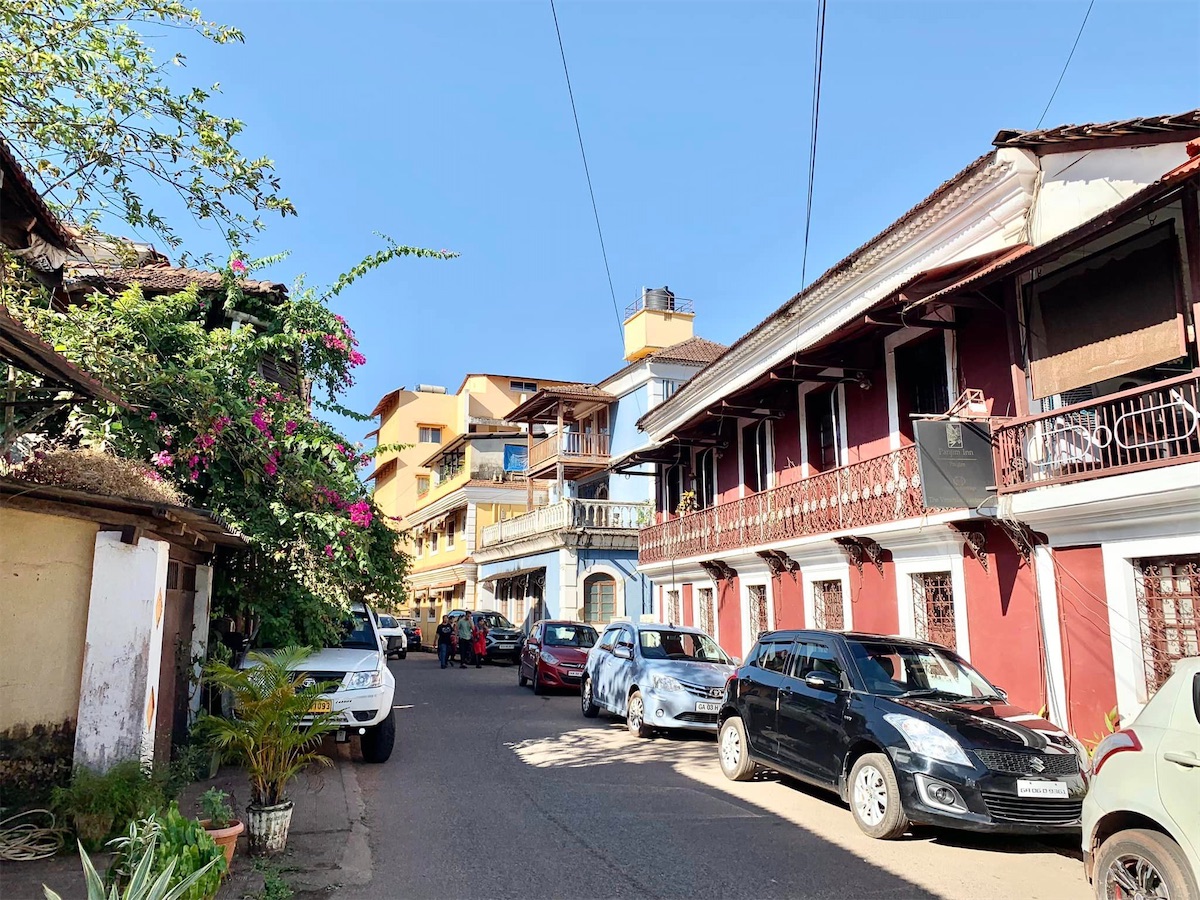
(118, 702)
(204, 582)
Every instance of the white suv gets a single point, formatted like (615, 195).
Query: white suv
(1141, 818)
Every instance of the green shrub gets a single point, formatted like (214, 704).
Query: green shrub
(214, 803)
(141, 885)
(102, 805)
(180, 845)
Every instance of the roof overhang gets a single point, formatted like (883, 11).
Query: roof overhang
(543, 406)
(511, 573)
(27, 351)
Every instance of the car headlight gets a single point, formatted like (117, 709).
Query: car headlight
(549, 658)
(357, 680)
(666, 683)
(928, 740)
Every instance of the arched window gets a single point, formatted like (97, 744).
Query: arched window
(599, 599)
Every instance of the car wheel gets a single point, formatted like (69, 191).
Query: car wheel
(537, 680)
(521, 679)
(734, 750)
(590, 709)
(635, 716)
(875, 798)
(1141, 863)
(378, 740)
(403, 654)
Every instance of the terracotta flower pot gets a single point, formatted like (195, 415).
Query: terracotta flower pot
(225, 838)
(93, 828)
(267, 827)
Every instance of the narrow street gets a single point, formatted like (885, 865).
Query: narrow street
(494, 792)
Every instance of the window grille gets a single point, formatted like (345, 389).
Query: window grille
(1168, 594)
(706, 610)
(827, 605)
(933, 608)
(758, 611)
(674, 609)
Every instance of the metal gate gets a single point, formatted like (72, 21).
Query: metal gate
(1168, 594)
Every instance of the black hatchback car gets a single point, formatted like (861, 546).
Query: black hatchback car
(904, 731)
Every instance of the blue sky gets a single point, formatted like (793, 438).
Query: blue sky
(447, 124)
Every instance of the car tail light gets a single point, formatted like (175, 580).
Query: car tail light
(1116, 742)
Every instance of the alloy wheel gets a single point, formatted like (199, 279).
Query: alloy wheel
(731, 748)
(870, 796)
(1133, 877)
(585, 695)
(637, 712)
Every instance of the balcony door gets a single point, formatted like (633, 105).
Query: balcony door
(756, 456)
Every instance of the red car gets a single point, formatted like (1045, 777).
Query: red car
(554, 654)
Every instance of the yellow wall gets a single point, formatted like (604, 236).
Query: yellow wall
(653, 329)
(398, 496)
(45, 584)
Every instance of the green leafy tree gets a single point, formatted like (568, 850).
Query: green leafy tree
(99, 115)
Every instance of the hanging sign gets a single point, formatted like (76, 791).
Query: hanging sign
(955, 461)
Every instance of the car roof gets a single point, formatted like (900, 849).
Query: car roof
(846, 635)
(654, 626)
(563, 622)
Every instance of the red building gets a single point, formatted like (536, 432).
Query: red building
(1046, 296)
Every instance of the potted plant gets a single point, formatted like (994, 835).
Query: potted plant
(219, 822)
(273, 730)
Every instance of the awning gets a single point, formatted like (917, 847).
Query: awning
(511, 573)
(446, 585)
(977, 276)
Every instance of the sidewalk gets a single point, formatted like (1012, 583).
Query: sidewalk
(327, 847)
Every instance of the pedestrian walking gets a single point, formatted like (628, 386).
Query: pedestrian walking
(466, 629)
(445, 641)
(480, 645)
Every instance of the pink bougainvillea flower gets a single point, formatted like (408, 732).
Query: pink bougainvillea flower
(238, 267)
(289, 427)
(329, 550)
(357, 359)
(360, 514)
(219, 424)
(153, 417)
(163, 459)
(261, 421)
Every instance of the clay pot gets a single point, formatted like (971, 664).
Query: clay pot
(267, 827)
(225, 838)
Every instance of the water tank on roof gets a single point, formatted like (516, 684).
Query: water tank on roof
(430, 389)
(658, 298)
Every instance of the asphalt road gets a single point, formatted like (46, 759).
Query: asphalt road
(493, 792)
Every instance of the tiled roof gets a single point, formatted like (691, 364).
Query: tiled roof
(16, 178)
(1146, 129)
(695, 351)
(163, 279)
(27, 351)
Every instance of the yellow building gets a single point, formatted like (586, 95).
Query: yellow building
(461, 468)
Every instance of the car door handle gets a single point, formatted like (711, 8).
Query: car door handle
(1183, 758)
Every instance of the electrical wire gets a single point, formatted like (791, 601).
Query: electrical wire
(1066, 65)
(818, 66)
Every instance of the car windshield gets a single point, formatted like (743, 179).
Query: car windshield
(682, 645)
(908, 670)
(359, 635)
(494, 620)
(387, 622)
(570, 636)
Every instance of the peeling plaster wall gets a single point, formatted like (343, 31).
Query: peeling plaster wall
(45, 579)
(118, 702)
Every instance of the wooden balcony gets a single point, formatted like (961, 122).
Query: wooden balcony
(580, 454)
(884, 489)
(1146, 427)
(570, 514)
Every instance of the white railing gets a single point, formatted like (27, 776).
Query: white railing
(569, 514)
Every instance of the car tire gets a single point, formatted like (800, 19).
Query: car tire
(403, 654)
(635, 716)
(1163, 867)
(875, 798)
(378, 740)
(733, 750)
(538, 687)
(521, 679)
(590, 709)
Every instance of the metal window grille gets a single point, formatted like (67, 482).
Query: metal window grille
(1168, 593)
(827, 605)
(674, 610)
(706, 610)
(758, 610)
(933, 608)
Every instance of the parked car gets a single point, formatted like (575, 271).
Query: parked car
(904, 731)
(554, 654)
(1141, 818)
(412, 634)
(365, 691)
(656, 676)
(503, 639)
(393, 633)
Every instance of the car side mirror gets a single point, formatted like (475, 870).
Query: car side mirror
(1002, 692)
(822, 681)
(623, 652)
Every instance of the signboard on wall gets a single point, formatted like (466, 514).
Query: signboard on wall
(955, 462)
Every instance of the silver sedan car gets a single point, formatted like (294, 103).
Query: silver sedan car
(656, 676)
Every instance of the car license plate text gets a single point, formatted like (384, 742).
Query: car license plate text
(1050, 789)
(321, 706)
(703, 707)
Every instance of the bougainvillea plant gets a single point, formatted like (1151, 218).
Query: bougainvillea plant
(241, 445)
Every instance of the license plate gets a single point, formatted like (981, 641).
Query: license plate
(1050, 789)
(571, 676)
(708, 707)
(321, 706)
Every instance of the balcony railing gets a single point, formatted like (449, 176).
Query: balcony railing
(1144, 428)
(568, 515)
(567, 446)
(884, 489)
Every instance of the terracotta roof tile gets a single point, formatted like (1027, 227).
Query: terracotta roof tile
(1146, 129)
(161, 279)
(694, 351)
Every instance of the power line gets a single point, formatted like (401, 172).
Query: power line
(587, 173)
(818, 65)
(1067, 64)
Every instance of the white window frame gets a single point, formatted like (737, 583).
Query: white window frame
(810, 575)
(451, 528)
(697, 619)
(440, 429)
(770, 427)
(906, 568)
(433, 542)
(839, 427)
(698, 474)
(899, 339)
(755, 580)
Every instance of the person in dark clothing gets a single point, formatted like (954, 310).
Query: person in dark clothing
(466, 634)
(445, 635)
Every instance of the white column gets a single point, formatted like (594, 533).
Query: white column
(200, 619)
(568, 586)
(118, 694)
(1047, 588)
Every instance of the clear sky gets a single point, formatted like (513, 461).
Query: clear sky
(447, 125)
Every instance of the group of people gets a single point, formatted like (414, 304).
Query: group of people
(463, 638)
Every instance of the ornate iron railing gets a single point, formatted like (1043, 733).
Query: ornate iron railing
(568, 515)
(1144, 428)
(884, 489)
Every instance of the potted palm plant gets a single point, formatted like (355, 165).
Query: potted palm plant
(273, 731)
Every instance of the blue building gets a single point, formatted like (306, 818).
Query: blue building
(576, 556)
